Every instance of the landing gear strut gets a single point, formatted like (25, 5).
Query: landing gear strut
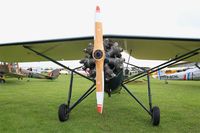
(153, 112)
(65, 109)
(2, 80)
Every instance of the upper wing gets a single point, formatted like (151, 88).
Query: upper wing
(158, 48)
(59, 49)
(154, 48)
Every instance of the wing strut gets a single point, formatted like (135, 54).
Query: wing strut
(65, 109)
(154, 112)
(56, 62)
(164, 65)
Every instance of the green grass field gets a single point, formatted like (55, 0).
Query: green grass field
(32, 107)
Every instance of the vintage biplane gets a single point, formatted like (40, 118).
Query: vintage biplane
(13, 70)
(103, 61)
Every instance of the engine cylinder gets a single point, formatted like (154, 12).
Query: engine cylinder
(113, 64)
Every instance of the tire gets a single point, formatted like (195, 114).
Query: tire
(63, 113)
(2, 81)
(155, 116)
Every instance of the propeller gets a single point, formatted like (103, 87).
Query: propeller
(99, 56)
(103, 61)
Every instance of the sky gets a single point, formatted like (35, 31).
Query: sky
(28, 20)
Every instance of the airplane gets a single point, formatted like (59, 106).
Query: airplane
(103, 61)
(182, 73)
(168, 71)
(13, 70)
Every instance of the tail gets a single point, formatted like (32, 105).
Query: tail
(54, 74)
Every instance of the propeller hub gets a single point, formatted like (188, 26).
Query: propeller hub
(98, 54)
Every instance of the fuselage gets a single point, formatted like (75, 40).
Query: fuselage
(114, 85)
(13, 70)
(189, 74)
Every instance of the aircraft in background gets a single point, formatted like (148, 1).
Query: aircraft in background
(13, 70)
(189, 72)
(104, 62)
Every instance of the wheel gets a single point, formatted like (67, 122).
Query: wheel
(2, 81)
(155, 116)
(63, 113)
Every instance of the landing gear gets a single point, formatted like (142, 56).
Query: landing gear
(20, 78)
(2, 81)
(65, 109)
(155, 116)
(63, 112)
(154, 112)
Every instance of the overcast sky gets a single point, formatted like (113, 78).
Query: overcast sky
(26, 20)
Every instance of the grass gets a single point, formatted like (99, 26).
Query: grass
(32, 107)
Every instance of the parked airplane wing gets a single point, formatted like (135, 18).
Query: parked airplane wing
(17, 75)
(153, 48)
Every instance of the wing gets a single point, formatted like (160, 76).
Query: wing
(59, 49)
(158, 48)
(16, 75)
(153, 48)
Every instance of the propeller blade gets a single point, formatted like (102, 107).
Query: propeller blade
(99, 56)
